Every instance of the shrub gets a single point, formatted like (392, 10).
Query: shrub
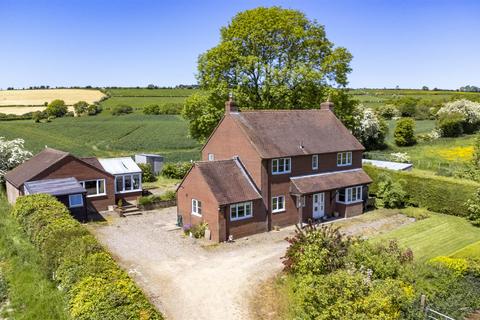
(80, 107)
(390, 193)
(473, 208)
(56, 109)
(168, 195)
(469, 111)
(96, 287)
(147, 172)
(152, 109)
(372, 130)
(407, 106)
(416, 213)
(37, 116)
(197, 231)
(388, 111)
(121, 110)
(405, 132)
(458, 266)
(451, 125)
(402, 157)
(94, 109)
(171, 108)
(176, 170)
(316, 250)
(435, 193)
(3, 288)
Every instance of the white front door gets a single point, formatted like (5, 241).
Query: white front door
(318, 205)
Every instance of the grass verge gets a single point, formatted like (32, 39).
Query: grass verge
(31, 294)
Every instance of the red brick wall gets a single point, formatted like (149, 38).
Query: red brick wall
(228, 141)
(249, 226)
(195, 187)
(72, 167)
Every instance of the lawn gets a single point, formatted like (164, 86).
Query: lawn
(105, 135)
(139, 103)
(438, 235)
(31, 294)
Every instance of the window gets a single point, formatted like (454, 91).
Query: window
(281, 165)
(128, 183)
(94, 187)
(211, 157)
(75, 200)
(315, 162)
(196, 207)
(241, 211)
(344, 159)
(350, 195)
(278, 204)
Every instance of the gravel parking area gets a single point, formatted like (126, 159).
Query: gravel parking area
(196, 279)
(188, 278)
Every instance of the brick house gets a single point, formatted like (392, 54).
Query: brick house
(262, 169)
(82, 184)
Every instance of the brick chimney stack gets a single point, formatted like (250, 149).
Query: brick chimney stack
(327, 105)
(230, 105)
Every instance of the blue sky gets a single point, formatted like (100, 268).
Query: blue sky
(130, 43)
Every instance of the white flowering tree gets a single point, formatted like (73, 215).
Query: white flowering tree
(371, 130)
(12, 153)
(469, 110)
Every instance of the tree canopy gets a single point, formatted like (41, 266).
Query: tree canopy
(269, 58)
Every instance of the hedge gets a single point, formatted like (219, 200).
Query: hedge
(439, 194)
(95, 285)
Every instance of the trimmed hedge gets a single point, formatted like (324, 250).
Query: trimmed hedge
(439, 194)
(95, 285)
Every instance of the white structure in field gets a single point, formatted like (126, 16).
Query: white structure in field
(155, 160)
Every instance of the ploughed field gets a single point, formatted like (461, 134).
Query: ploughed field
(105, 135)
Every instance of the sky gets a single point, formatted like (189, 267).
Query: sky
(139, 42)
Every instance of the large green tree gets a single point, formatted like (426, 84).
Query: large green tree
(268, 58)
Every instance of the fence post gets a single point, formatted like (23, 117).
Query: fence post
(423, 300)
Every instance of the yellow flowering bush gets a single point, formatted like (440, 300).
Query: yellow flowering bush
(459, 266)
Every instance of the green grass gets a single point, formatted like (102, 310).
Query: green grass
(162, 183)
(143, 92)
(139, 103)
(106, 135)
(472, 250)
(439, 235)
(31, 294)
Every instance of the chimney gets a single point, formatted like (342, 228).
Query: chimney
(327, 105)
(230, 105)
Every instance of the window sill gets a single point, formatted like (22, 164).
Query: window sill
(283, 172)
(76, 206)
(352, 202)
(344, 165)
(129, 191)
(242, 218)
(196, 214)
(97, 195)
(278, 211)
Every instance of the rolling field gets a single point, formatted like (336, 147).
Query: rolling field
(39, 97)
(105, 135)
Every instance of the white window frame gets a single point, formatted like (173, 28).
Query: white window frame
(286, 163)
(275, 208)
(78, 205)
(98, 187)
(315, 162)
(349, 193)
(244, 205)
(197, 207)
(131, 175)
(344, 159)
(211, 157)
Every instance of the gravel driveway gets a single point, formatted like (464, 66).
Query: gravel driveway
(187, 278)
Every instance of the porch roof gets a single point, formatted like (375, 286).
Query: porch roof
(55, 187)
(328, 181)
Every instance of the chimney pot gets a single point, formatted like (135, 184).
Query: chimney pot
(230, 105)
(327, 106)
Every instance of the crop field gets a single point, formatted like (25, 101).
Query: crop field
(106, 135)
(39, 97)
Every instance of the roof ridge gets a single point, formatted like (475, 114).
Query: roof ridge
(279, 110)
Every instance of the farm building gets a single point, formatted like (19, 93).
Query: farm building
(102, 182)
(154, 160)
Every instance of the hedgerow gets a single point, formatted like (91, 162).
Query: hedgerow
(94, 284)
(438, 194)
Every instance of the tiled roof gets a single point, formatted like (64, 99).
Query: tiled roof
(228, 181)
(280, 133)
(328, 181)
(34, 166)
(54, 187)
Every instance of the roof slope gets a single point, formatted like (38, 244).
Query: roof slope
(120, 165)
(55, 187)
(329, 181)
(34, 166)
(280, 133)
(228, 181)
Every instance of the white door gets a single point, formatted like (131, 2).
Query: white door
(318, 205)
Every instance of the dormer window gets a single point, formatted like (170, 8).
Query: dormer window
(281, 165)
(344, 159)
(315, 162)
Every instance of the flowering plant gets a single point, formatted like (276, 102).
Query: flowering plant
(12, 153)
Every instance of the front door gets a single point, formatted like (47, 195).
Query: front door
(318, 205)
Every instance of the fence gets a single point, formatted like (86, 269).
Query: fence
(430, 313)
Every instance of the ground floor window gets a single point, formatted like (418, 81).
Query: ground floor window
(75, 200)
(196, 207)
(94, 187)
(350, 195)
(128, 183)
(278, 204)
(241, 211)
